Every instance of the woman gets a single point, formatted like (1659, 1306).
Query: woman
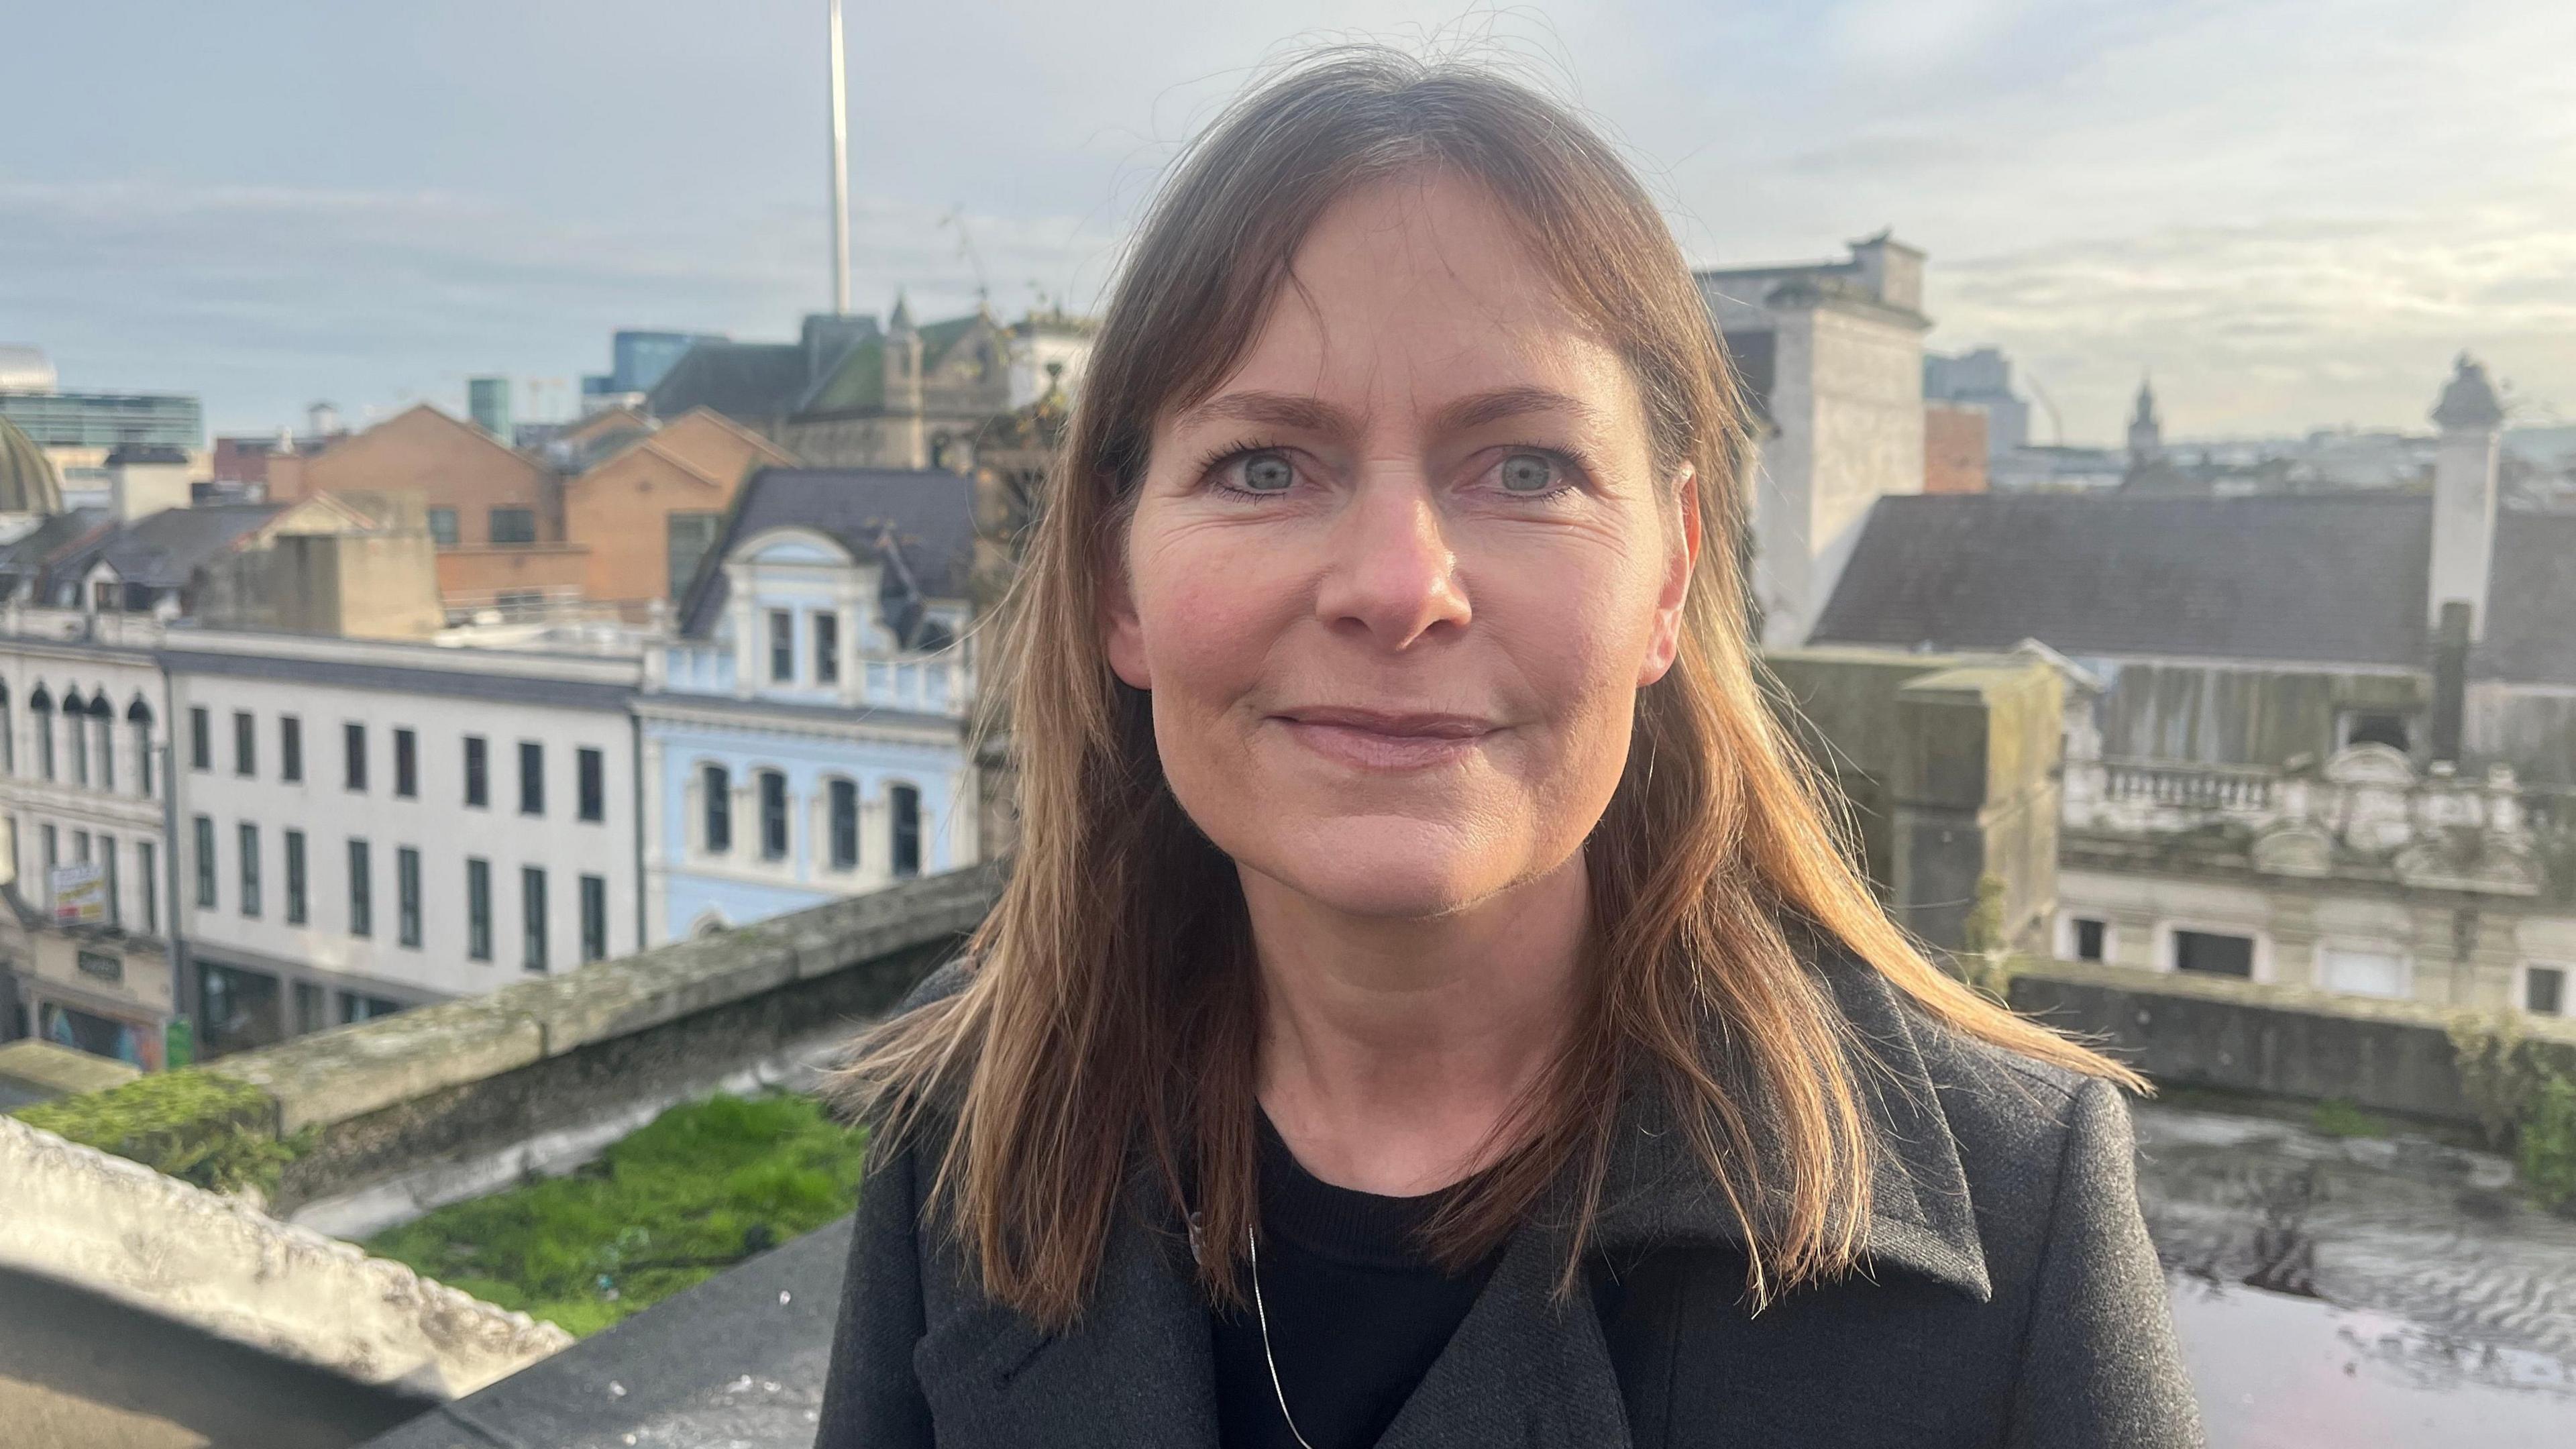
(1429, 1006)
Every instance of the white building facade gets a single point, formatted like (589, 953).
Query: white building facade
(83, 790)
(804, 738)
(366, 826)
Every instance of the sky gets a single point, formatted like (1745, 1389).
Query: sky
(2291, 213)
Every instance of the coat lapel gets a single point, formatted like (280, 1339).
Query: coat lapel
(1524, 1369)
(1134, 1372)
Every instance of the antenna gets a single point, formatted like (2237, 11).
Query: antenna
(840, 170)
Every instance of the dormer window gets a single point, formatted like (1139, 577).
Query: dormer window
(827, 648)
(782, 646)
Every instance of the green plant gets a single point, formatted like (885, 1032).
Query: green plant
(2336, 1117)
(697, 1189)
(191, 1124)
(2497, 1070)
(2545, 1144)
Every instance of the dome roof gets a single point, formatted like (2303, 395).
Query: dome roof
(27, 481)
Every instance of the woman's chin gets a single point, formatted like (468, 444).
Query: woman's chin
(1388, 879)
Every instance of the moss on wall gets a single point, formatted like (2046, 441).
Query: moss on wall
(195, 1125)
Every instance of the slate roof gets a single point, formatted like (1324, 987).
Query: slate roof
(746, 381)
(166, 549)
(29, 554)
(929, 513)
(2309, 579)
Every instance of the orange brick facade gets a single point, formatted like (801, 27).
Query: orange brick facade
(620, 510)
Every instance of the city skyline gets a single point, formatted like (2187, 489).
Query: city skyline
(292, 202)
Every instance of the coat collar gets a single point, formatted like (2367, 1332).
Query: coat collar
(1525, 1367)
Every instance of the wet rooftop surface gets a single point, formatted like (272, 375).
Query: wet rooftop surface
(2331, 1293)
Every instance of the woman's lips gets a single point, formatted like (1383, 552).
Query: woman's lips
(1385, 740)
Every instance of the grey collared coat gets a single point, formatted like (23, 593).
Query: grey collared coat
(2010, 1298)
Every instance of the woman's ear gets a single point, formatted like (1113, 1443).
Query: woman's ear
(1681, 559)
(1122, 635)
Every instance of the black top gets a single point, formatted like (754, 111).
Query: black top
(1357, 1311)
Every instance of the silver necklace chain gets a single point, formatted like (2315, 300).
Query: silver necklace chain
(1252, 1240)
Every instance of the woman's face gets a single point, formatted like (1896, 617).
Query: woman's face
(1395, 583)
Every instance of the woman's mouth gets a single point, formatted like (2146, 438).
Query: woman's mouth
(1371, 739)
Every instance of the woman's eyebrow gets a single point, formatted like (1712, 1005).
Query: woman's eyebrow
(1274, 409)
(1478, 409)
(1314, 415)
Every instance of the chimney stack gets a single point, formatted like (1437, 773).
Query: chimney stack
(2464, 497)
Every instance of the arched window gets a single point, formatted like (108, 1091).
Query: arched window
(8, 734)
(75, 715)
(138, 722)
(716, 809)
(844, 825)
(40, 713)
(102, 722)
(773, 815)
(905, 806)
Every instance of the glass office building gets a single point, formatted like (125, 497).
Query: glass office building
(104, 420)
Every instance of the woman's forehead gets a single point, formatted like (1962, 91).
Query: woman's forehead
(1413, 297)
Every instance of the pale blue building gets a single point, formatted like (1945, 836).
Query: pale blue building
(804, 734)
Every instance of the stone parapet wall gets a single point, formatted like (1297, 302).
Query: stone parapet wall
(121, 1230)
(2282, 1041)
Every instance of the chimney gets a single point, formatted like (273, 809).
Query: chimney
(2464, 497)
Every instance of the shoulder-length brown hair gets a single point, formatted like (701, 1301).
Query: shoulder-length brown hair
(1112, 1008)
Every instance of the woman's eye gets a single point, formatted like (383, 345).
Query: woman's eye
(1529, 473)
(1267, 473)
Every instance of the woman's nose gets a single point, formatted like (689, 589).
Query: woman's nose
(1393, 571)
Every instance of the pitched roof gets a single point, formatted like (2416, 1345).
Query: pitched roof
(166, 549)
(2310, 579)
(927, 514)
(747, 380)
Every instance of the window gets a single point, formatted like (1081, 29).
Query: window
(80, 846)
(2211, 954)
(827, 648)
(309, 1001)
(297, 910)
(718, 787)
(478, 772)
(906, 802)
(2088, 939)
(2365, 973)
(103, 720)
(532, 778)
(442, 527)
(406, 765)
(353, 754)
(237, 1008)
(782, 645)
(201, 740)
(249, 869)
(2544, 990)
(845, 825)
(594, 784)
(357, 1006)
(2375, 727)
(73, 716)
(139, 720)
(514, 525)
(478, 909)
(8, 735)
(688, 536)
(532, 917)
(245, 743)
(362, 891)
(407, 896)
(115, 903)
(147, 866)
(290, 749)
(773, 815)
(594, 918)
(205, 860)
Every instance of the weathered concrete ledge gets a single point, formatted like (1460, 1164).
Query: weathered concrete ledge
(38, 1070)
(2282, 1041)
(384, 1097)
(123, 1231)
